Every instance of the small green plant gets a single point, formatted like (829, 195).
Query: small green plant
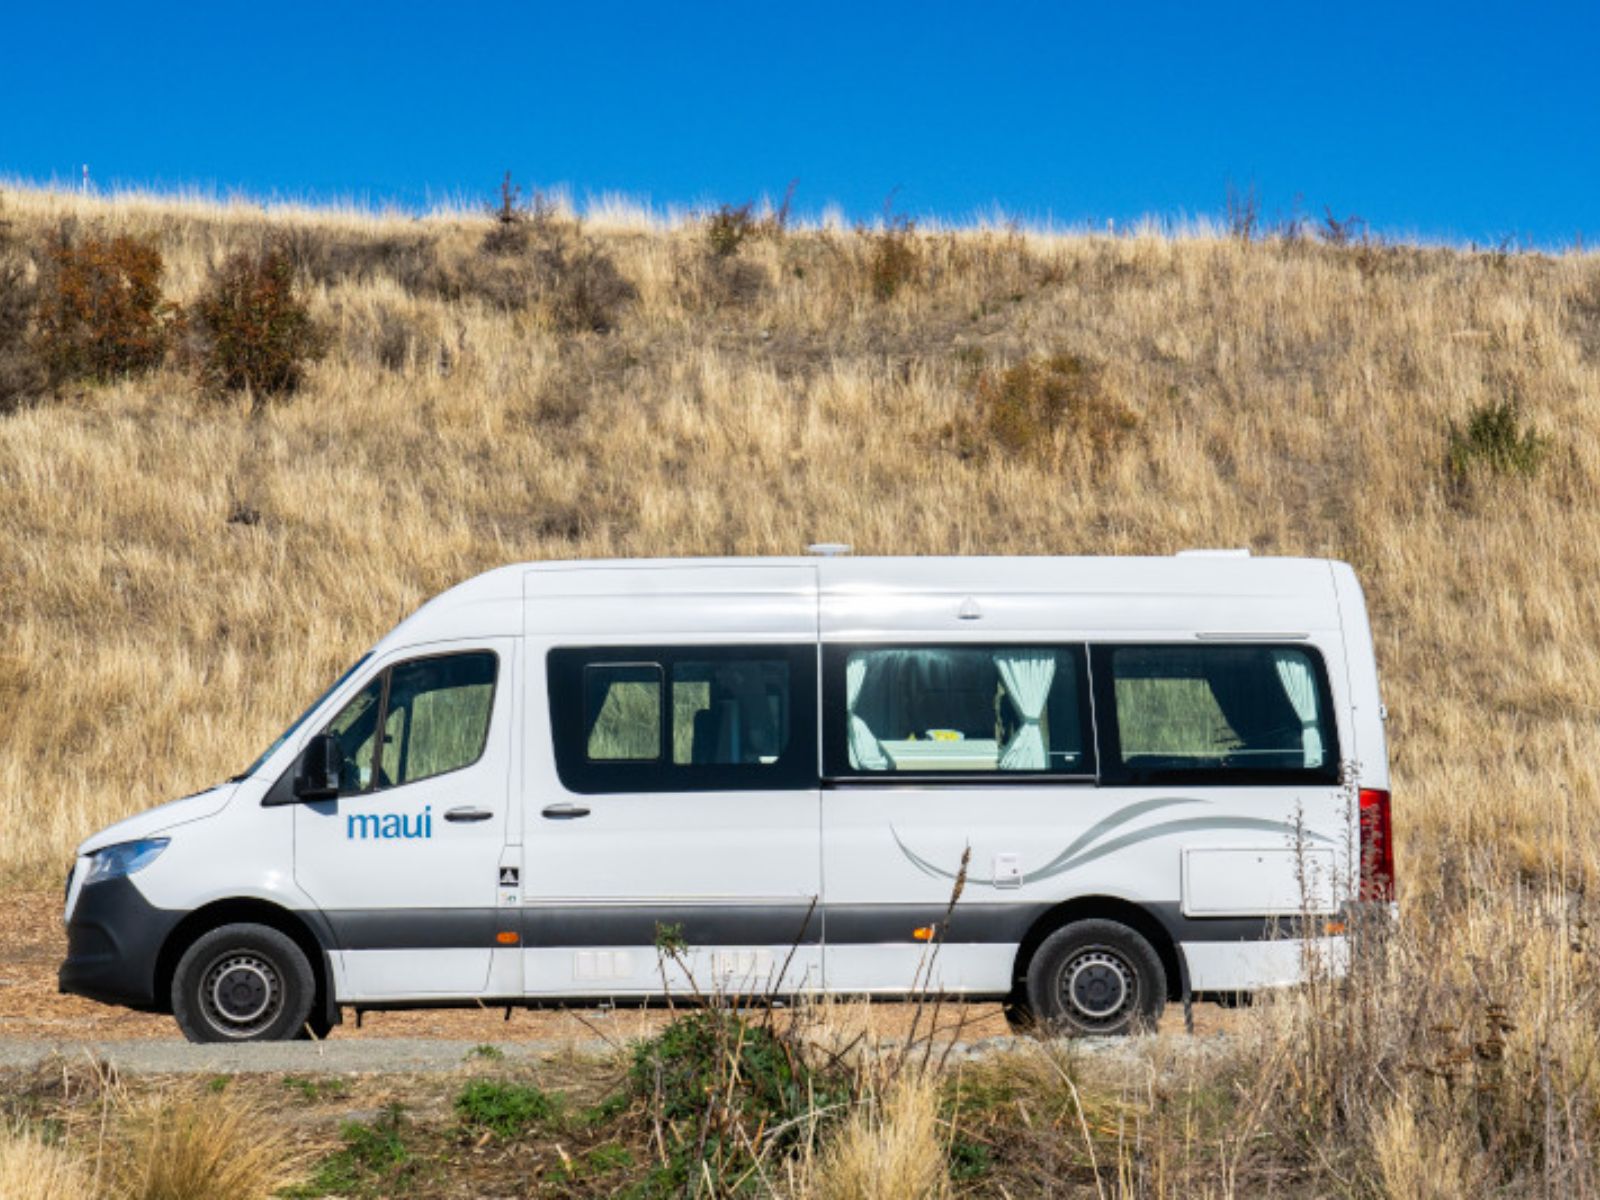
(607, 1158)
(669, 939)
(606, 1111)
(251, 329)
(99, 311)
(370, 1162)
(218, 1083)
(1495, 438)
(314, 1091)
(485, 1051)
(969, 1160)
(503, 1108)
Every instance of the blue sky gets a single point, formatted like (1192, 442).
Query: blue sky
(1462, 121)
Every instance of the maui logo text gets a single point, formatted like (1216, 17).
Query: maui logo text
(361, 826)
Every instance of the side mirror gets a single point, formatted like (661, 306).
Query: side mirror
(318, 775)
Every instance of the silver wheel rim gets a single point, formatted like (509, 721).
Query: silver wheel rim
(1098, 988)
(241, 994)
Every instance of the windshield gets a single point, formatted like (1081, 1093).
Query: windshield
(300, 720)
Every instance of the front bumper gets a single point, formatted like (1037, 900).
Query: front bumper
(114, 938)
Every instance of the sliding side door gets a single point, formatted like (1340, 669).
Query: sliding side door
(672, 801)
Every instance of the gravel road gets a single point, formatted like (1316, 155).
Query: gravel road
(356, 1057)
(424, 1056)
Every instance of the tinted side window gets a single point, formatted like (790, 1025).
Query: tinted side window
(434, 713)
(354, 728)
(1225, 714)
(957, 710)
(690, 718)
(437, 716)
(622, 712)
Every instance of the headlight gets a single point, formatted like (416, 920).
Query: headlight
(123, 859)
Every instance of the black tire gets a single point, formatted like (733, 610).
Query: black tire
(1096, 979)
(242, 983)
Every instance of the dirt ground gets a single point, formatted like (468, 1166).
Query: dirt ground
(33, 943)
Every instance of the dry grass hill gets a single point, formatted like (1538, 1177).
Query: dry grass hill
(181, 568)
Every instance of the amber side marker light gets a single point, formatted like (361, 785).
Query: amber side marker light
(507, 938)
(925, 933)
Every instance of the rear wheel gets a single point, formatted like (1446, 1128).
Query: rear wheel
(1096, 978)
(242, 983)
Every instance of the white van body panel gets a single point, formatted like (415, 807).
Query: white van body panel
(694, 854)
(158, 820)
(823, 887)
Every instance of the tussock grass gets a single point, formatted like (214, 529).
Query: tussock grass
(31, 1169)
(891, 1148)
(191, 1147)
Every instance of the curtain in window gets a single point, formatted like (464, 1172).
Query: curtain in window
(1294, 672)
(1027, 675)
(865, 752)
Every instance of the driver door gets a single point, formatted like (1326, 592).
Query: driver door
(404, 863)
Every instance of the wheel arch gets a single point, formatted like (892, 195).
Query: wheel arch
(1108, 908)
(244, 909)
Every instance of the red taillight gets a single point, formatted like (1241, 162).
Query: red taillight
(1377, 846)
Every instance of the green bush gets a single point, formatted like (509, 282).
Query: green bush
(1496, 439)
(99, 311)
(718, 1082)
(374, 1160)
(504, 1108)
(250, 329)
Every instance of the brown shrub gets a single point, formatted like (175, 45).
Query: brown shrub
(549, 264)
(21, 374)
(99, 311)
(730, 226)
(894, 258)
(328, 257)
(1044, 408)
(250, 329)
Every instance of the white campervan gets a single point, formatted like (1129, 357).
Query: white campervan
(1140, 778)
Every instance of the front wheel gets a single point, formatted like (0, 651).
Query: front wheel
(1096, 978)
(242, 983)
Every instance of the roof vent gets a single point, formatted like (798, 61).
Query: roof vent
(1241, 552)
(829, 549)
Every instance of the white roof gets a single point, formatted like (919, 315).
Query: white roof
(859, 597)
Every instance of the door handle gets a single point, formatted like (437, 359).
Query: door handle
(563, 812)
(468, 814)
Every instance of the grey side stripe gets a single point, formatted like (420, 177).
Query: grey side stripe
(740, 925)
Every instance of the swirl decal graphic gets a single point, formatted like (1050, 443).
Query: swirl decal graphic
(1095, 842)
